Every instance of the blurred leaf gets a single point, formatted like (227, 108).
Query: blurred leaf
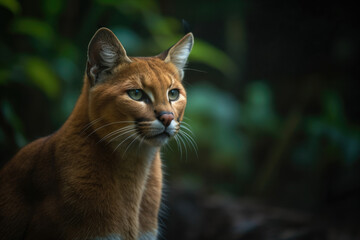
(67, 70)
(52, 8)
(131, 40)
(164, 30)
(204, 100)
(42, 76)
(34, 28)
(12, 5)
(215, 119)
(4, 76)
(14, 121)
(67, 104)
(333, 107)
(352, 149)
(2, 136)
(128, 6)
(258, 113)
(67, 49)
(325, 133)
(205, 53)
(305, 155)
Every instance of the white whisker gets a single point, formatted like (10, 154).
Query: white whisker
(195, 70)
(168, 146)
(191, 141)
(178, 144)
(182, 141)
(116, 132)
(87, 126)
(130, 144)
(141, 141)
(108, 125)
(124, 141)
(187, 128)
(187, 133)
(122, 134)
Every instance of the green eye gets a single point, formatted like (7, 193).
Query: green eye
(173, 94)
(136, 94)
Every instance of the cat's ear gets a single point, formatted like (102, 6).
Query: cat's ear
(104, 53)
(179, 53)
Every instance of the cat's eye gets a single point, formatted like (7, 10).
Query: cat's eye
(136, 94)
(174, 94)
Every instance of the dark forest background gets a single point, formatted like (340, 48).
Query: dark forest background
(273, 102)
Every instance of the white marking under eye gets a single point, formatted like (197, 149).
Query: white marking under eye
(150, 95)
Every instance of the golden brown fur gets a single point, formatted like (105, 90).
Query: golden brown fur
(84, 183)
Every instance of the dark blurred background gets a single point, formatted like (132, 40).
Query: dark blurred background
(272, 102)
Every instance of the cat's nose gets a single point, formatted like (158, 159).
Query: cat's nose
(166, 118)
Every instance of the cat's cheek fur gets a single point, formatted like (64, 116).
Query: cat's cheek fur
(133, 109)
(179, 106)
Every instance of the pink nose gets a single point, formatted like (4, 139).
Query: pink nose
(166, 118)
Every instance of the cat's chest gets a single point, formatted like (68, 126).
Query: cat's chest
(144, 236)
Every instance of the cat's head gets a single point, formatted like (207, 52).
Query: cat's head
(135, 98)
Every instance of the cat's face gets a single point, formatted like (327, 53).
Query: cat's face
(144, 99)
(135, 100)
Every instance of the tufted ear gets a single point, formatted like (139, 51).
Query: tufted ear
(104, 53)
(179, 53)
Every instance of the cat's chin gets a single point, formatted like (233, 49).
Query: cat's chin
(158, 140)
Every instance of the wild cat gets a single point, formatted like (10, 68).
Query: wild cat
(99, 176)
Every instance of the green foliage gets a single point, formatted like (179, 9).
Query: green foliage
(205, 53)
(229, 131)
(37, 29)
(42, 76)
(210, 108)
(258, 112)
(332, 130)
(14, 121)
(11, 5)
(52, 8)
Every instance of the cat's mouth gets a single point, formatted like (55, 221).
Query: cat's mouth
(160, 135)
(155, 133)
(159, 139)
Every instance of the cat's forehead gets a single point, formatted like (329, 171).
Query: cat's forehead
(148, 71)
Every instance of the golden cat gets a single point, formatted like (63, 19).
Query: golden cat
(99, 176)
